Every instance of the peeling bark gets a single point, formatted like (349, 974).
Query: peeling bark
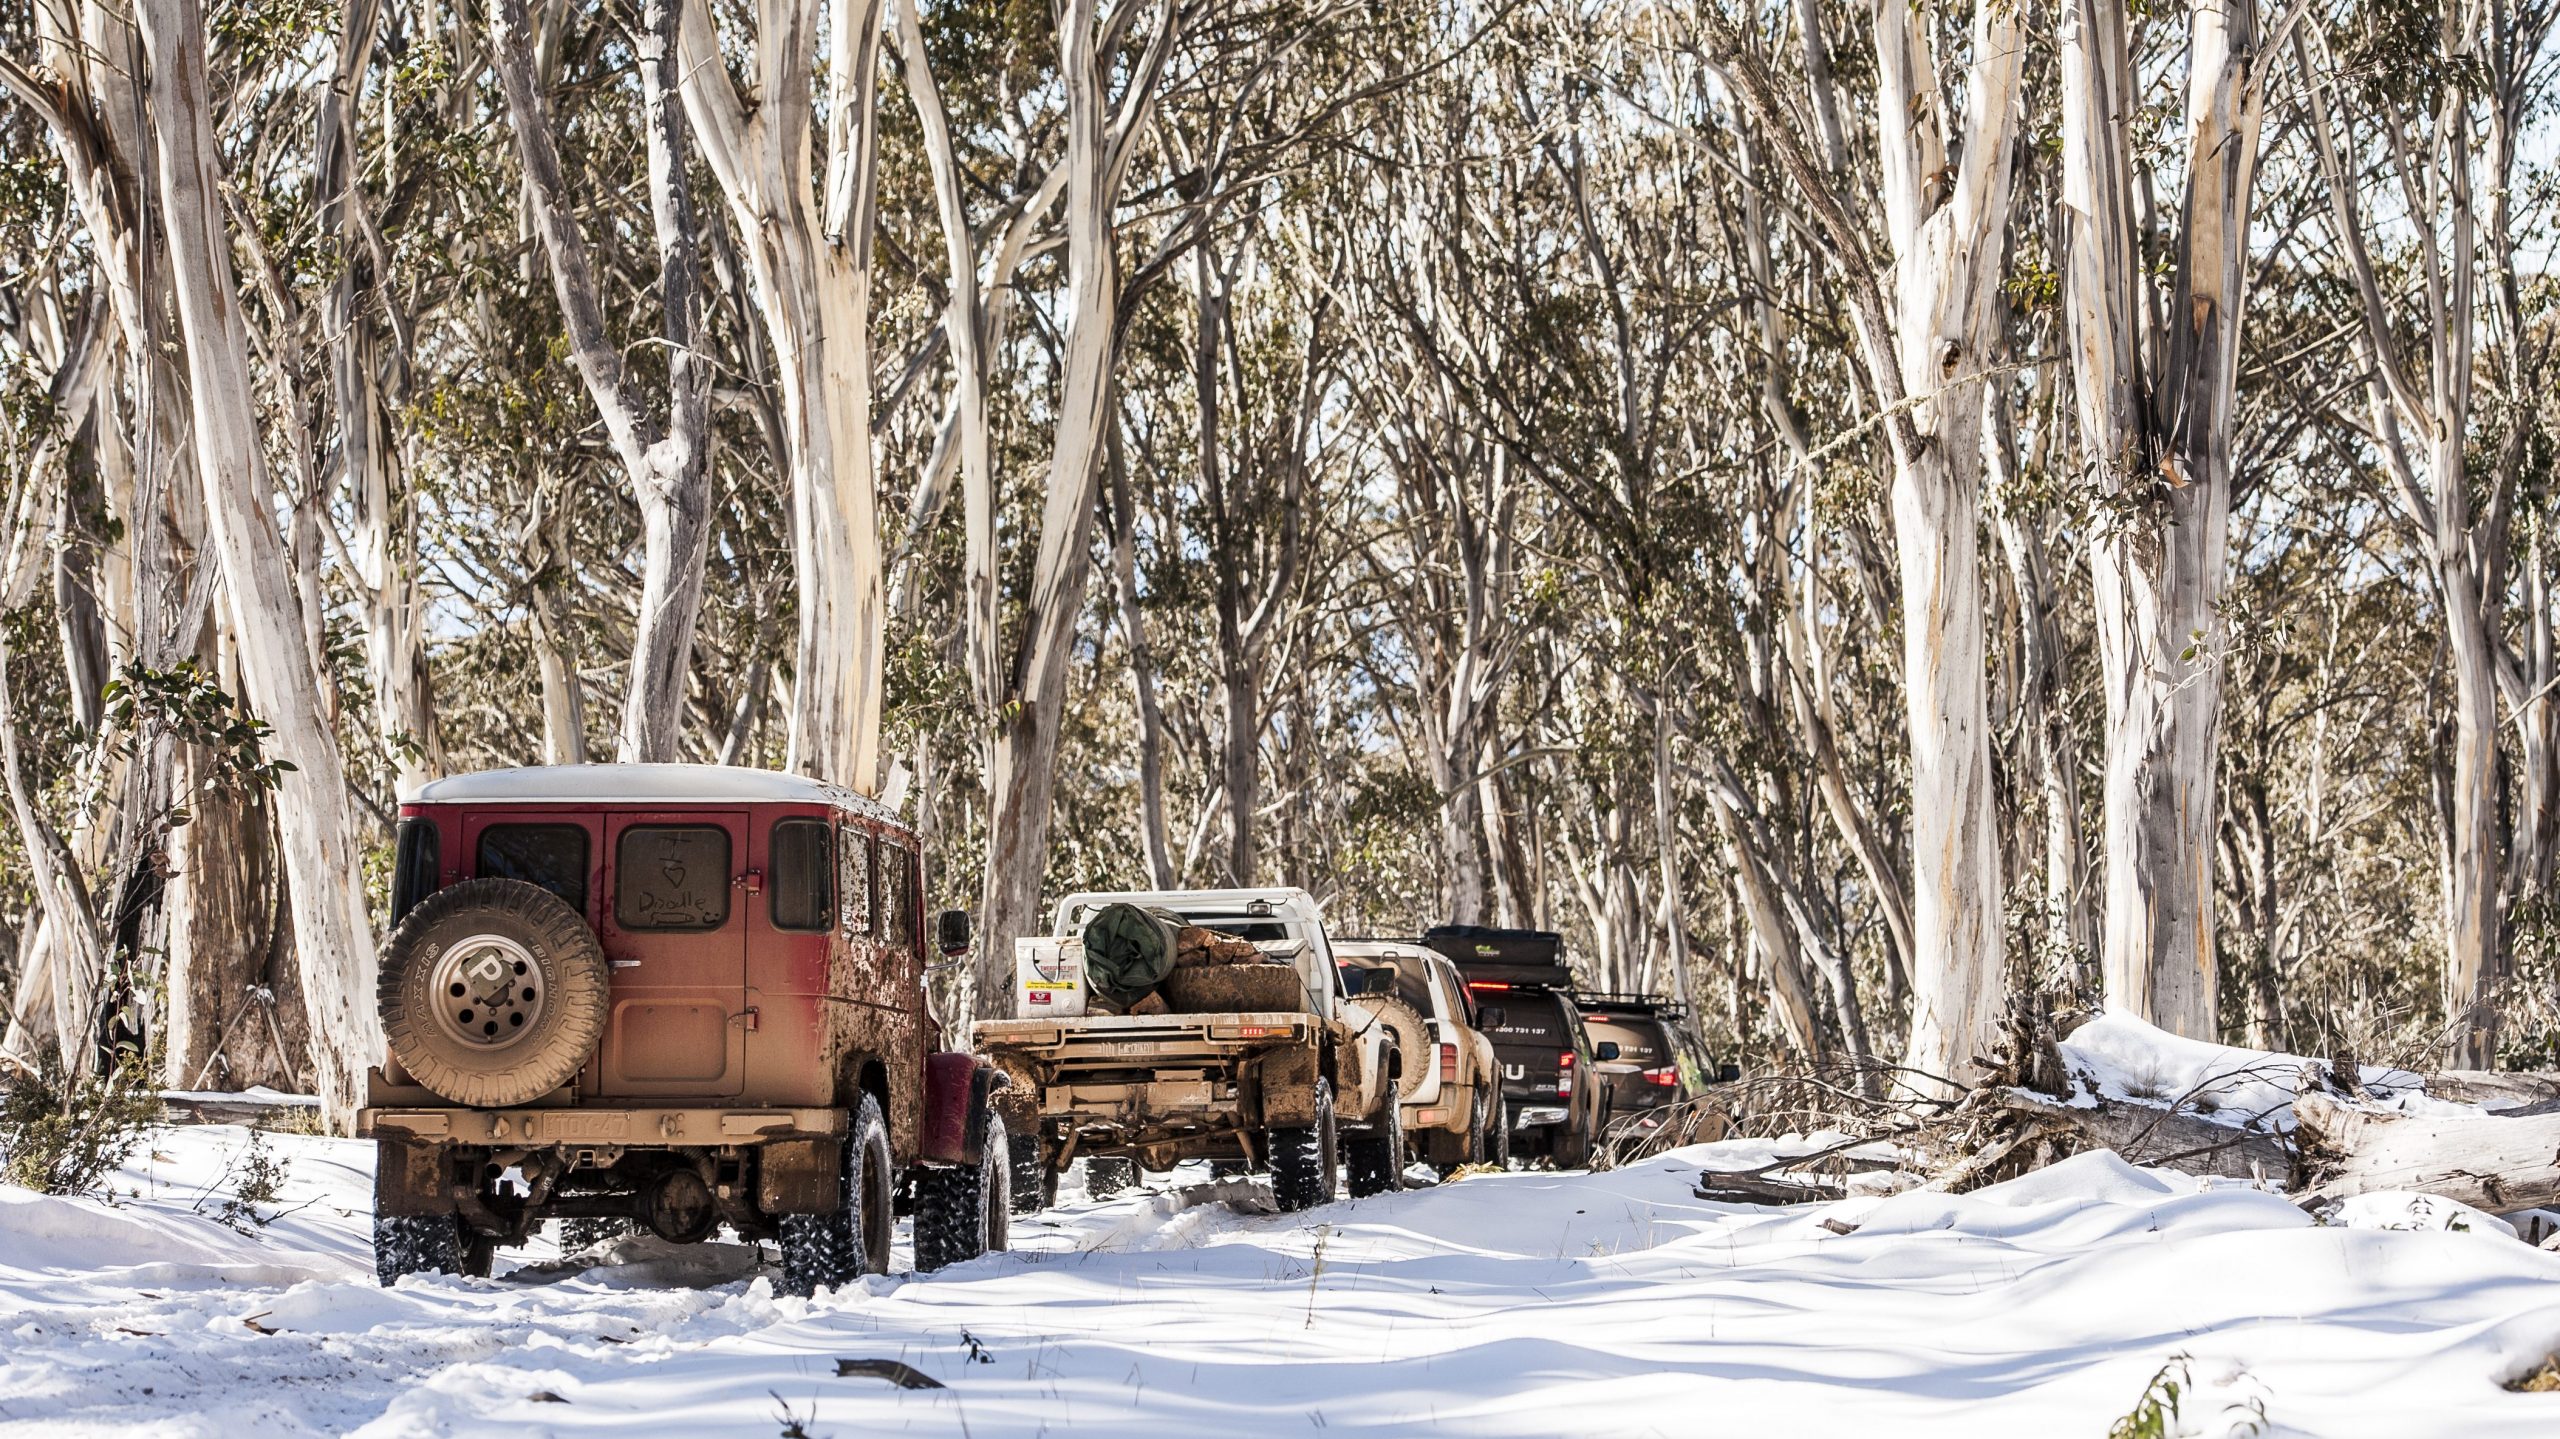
(333, 933)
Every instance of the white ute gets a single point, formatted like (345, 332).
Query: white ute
(1278, 1068)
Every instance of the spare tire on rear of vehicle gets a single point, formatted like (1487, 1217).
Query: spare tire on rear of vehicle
(492, 992)
(1413, 1037)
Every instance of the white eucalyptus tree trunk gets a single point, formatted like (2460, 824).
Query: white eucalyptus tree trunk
(1022, 768)
(383, 521)
(1023, 774)
(2420, 388)
(2156, 410)
(668, 465)
(1923, 324)
(1948, 225)
(809, 263)
(333, 935)
(966, 323)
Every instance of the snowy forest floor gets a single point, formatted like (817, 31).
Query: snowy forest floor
(1517, 1304)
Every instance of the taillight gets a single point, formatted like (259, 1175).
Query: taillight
(1565, 1060)
(1564, 1073)
(1666, 1077)
(1486, 984)
(1448, 1064)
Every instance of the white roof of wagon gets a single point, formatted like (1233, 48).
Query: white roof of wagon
(639, 784)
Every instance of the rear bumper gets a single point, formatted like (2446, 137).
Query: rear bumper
(1138, 1039)
(596, 1127)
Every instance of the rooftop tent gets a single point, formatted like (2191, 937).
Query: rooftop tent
(1503, 956)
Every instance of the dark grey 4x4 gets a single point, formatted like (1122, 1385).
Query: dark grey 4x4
(1549, 1059)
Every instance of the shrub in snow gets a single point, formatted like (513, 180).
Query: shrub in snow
(60, 1135)
(257, 1178)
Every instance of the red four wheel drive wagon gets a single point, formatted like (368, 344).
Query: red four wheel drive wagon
(677, 995)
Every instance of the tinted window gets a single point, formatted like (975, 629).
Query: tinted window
(1526, 1018)
(1413, 982)
(854, 873)
(804, 875)
(1260, 931)
(413, 878)
(897, 898)
(553, 856)
(1639, 1041)
(671, 876)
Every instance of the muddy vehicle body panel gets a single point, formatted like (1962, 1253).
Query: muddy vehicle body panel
(1452, 1087)
(764, 945)
(1164, 1087)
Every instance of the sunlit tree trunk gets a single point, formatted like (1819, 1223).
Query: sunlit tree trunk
(332, 932)
(810, 269)
(2156, 406)
(1922, 324)
(1022, 768)
(668, 465)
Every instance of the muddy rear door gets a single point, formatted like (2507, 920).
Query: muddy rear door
(677, 895)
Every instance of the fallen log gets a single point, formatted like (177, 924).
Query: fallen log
(256, 1109)
(2172, 1139)
(1751, 1188)
(2495, 1088)
(2495, 1162)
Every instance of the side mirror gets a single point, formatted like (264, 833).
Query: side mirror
(951, 931)
(1605, 1050)
(1728, 1073)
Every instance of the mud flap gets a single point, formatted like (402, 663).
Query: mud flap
(1285, 1084)
(956, 1093)
(800, 1176)
(410, 1178)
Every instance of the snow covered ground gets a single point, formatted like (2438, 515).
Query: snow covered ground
(1522, 1304)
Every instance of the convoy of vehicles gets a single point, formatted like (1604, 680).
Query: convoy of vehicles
(688, 996)
(682, 995)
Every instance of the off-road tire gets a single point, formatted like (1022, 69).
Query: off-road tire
(577, 1235)
(1375, 1156)
(1413, 1036)
(405, 1244)
(1477, 1147)
(1108, 1176)
(1306, 1162)
(964, 1210)
(1032, 1185)
(531, 1001)
(843, 1244)
(1571, 1150)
